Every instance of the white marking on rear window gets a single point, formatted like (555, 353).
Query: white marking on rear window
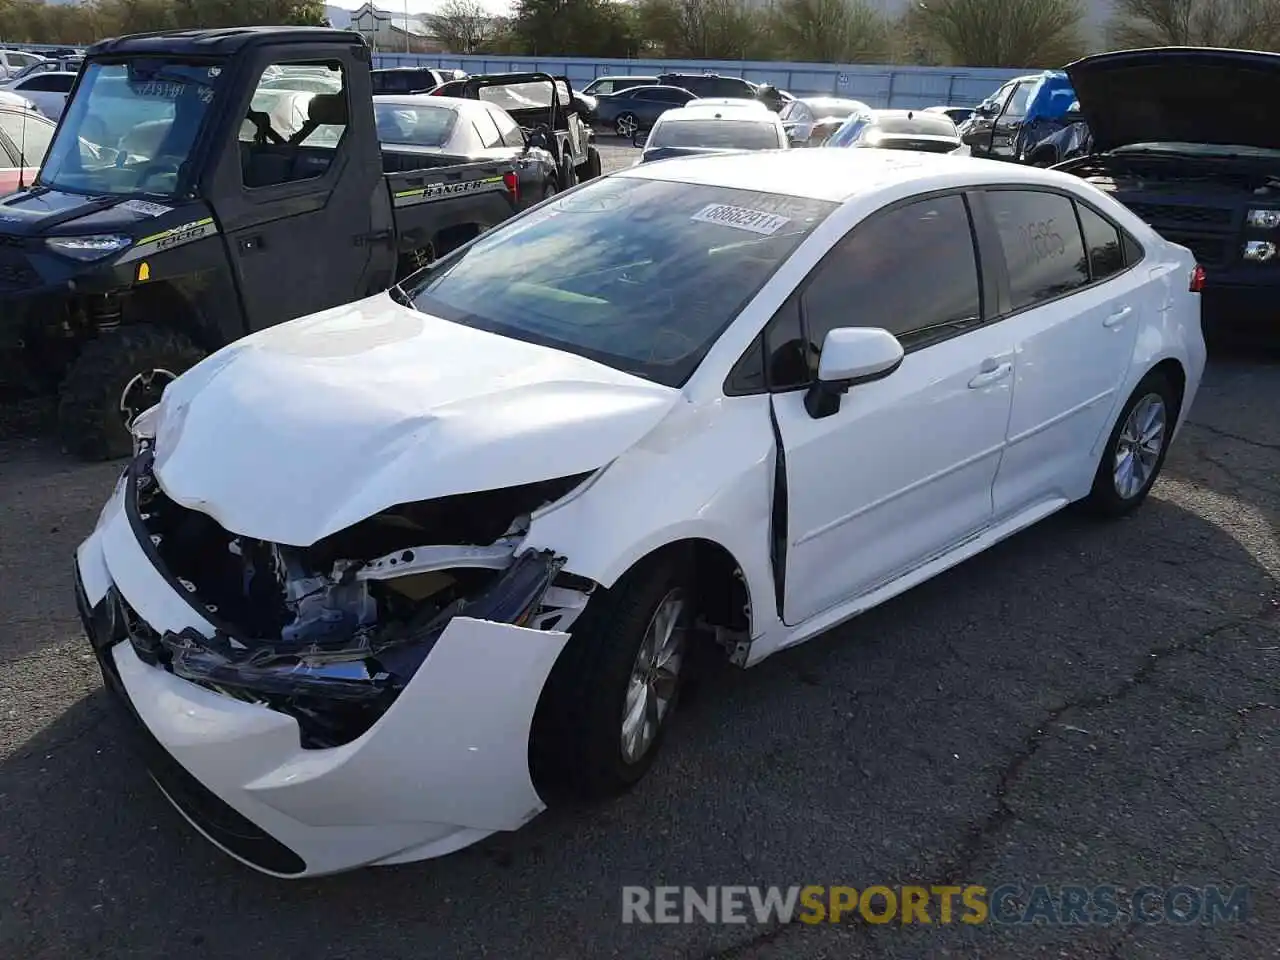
(741, 218)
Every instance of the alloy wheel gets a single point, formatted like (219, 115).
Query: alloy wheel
(1139, 445)
(655, 676)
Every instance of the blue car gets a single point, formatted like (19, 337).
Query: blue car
(1018, 116)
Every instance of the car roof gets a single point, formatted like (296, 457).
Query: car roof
(839, 175)
(624, 76)
(694, 110)
(221, 41)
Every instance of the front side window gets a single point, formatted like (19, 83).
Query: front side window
(131, 128)
(292, 135)
(716, 134)
(911, 270)
(1042, 247)
(1017, 108)
(642, 275)
(600, 87)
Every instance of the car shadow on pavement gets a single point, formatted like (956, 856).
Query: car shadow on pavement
(1079, 704)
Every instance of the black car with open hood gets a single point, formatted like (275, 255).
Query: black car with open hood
(1184, 136)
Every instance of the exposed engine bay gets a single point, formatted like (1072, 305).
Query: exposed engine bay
(330, 633)
(1207, 179)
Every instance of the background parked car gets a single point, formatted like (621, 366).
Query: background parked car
(13, 62)
(697, 129)
(45, 85)
(900, 130)
(709, 84)
(409, 79)
(637, 108)
(810, 120)
(602, 86)
(457, 130)
(1019, 115)
(24, 139)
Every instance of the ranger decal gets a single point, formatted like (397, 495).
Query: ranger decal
(436, 191)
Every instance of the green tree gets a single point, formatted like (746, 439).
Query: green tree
(589, 28)
(1254, 24)
(706, 29)
(1004, 33)
(830, 31)
(462, 26)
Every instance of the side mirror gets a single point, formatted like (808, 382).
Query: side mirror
(850, 356)
(986, 110)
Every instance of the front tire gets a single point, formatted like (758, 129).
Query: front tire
(115, 378)
(1136, 449)
(608, 702)
(592, 166)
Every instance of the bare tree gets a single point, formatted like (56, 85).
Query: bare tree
(1254, 24)
(462, 26)
(830, 31)
(1004, 33)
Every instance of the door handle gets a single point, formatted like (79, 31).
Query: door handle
(250, 244)
(991, 374)
(1118, 317)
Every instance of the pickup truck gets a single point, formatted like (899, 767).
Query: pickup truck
(189, 198)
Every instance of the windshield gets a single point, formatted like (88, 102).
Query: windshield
(641, 275)
(1199, 149)
(722, 134)
(130, 127)
(418, 126)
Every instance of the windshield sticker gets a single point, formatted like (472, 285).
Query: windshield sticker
(741, 218)
(145, 208)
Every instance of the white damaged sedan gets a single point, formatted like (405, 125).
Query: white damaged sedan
(384, 580)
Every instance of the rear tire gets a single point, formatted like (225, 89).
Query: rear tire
(1136, 448)
(592, 166)
(114, 379)
(578, 748)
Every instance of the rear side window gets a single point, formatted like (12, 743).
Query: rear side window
(1102, 241)
(1041, 242)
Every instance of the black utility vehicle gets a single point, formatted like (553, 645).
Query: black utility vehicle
(547, 111)
(1184, 137)
(190, 197)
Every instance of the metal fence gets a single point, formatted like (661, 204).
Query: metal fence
(879, 85)
(876, 85)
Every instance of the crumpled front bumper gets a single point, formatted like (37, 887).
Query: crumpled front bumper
(446, 765)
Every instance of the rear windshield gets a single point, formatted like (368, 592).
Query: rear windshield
(525, 96)
(722, 134)
(419, 126)
(919, 125)
(642, 275)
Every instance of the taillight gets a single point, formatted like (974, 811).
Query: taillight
(512, 182)
(1197, 279)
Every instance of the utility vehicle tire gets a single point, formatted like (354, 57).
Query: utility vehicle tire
(121, 371)
(578, 749)
(591, 167)
(1135, 451)
(568, 176)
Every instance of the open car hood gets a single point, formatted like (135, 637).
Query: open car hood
(306, 428)
(1180, 95)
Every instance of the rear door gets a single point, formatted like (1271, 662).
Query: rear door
(1075, 309)
(301, 219)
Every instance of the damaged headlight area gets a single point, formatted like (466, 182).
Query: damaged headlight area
(331, 633)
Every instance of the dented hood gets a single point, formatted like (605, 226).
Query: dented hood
(306, 428)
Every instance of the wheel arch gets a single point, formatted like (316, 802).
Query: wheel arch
(169, 304)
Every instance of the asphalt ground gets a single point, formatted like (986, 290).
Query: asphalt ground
(1085, 704)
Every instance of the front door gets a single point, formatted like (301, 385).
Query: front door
(904, 469)
(299, 208)
(1004, 133)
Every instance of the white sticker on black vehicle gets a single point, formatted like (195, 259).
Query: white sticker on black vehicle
(144, 207)
(741, 218)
